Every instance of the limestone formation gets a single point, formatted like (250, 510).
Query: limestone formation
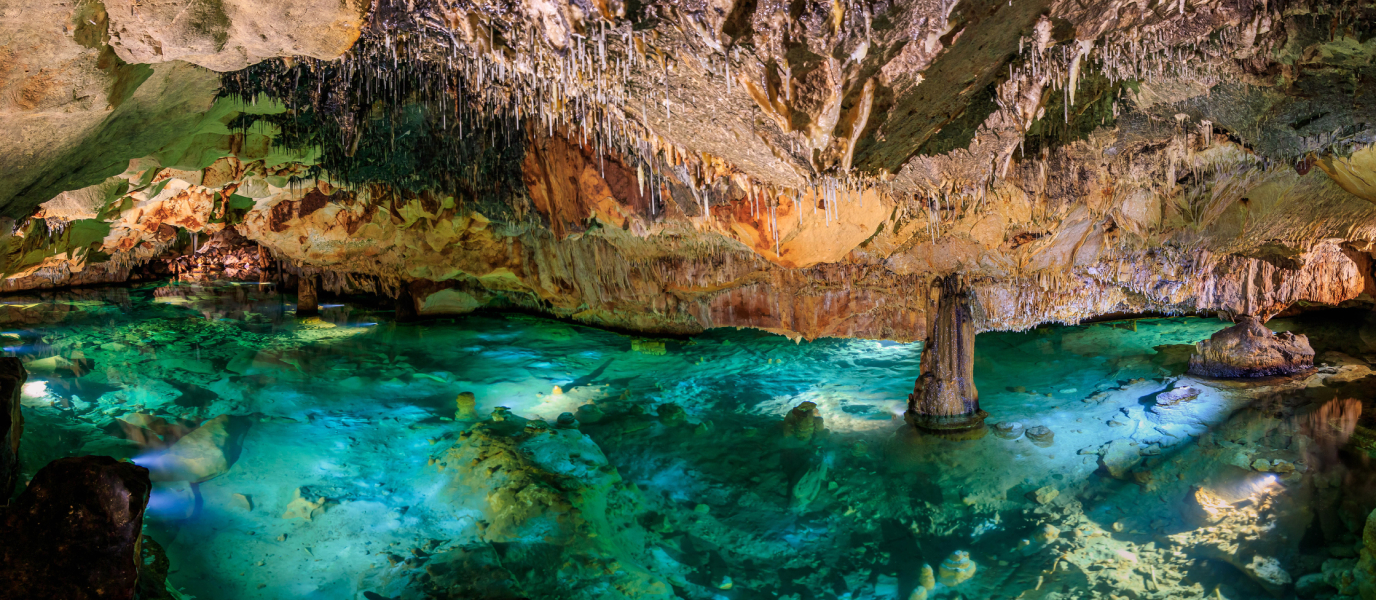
(466, 407)
(1044, 494)
(1008, 430)
(956, 569)
(925, 578)
(1064, 164)
(803, 423)
(1041, 435)
(1046, 534)
(944, 399)
(307, 303)
(74, 532)
(1249, 349)
(12, 378)
(1118, 457)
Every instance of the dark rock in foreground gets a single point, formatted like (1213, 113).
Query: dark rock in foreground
(12, 378)
(74, 532)
(1249, 349)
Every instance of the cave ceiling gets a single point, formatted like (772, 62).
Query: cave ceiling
(801, 167)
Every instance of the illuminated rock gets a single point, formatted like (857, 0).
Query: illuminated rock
(1249, 349)
(944, 399)
(1044, 495)
(1041, 435)
(956, 569)
(205, 453)
(466, 404)
(1118, 457)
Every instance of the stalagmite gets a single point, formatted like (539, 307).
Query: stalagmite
(944, 399)
(307, 304)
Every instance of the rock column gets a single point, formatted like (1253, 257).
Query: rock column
(12, 378)
(306, 302)
(945, 400)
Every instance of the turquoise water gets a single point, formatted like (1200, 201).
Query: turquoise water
(354, 478)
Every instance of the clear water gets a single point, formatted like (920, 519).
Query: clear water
(358, 411)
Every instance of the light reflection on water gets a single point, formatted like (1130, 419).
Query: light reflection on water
(351, 414)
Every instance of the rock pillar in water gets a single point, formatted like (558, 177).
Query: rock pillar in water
(12, 378)
(75, 531)
(306, 302)
(945, 400)
(1249, 349)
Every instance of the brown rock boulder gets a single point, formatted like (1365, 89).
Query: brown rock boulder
(12, 377)
(74, 532)
(1249, 349)
(205, 453)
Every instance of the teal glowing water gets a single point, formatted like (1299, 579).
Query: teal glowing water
(341, 486)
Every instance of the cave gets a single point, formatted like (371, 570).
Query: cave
(441, 300)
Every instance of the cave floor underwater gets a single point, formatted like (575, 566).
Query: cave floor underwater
(348, 469)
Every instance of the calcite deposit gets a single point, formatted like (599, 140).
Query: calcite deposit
(671, 169)
(1249, 349)
(904, 171)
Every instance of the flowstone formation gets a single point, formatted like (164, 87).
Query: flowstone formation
(669, 169)
(1249, 349)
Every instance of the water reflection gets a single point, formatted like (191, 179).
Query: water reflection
(335, 464)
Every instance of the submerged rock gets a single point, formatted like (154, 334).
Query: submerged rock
(1044, 494)
(205, 453)
(1041, 435)
(926, 579)
(956, 569)
(810, 484)
(1176, 406)
(671, 415)
(1258, 533)
(803, 423)
(1118, 457)
(466, 407)
(1249, 349)
(558, 510)
(1008, 430)
(589, 413)
(74, 532)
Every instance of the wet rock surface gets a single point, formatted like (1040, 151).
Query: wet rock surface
(1249, 349)
(12, 378)
(74, 532)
